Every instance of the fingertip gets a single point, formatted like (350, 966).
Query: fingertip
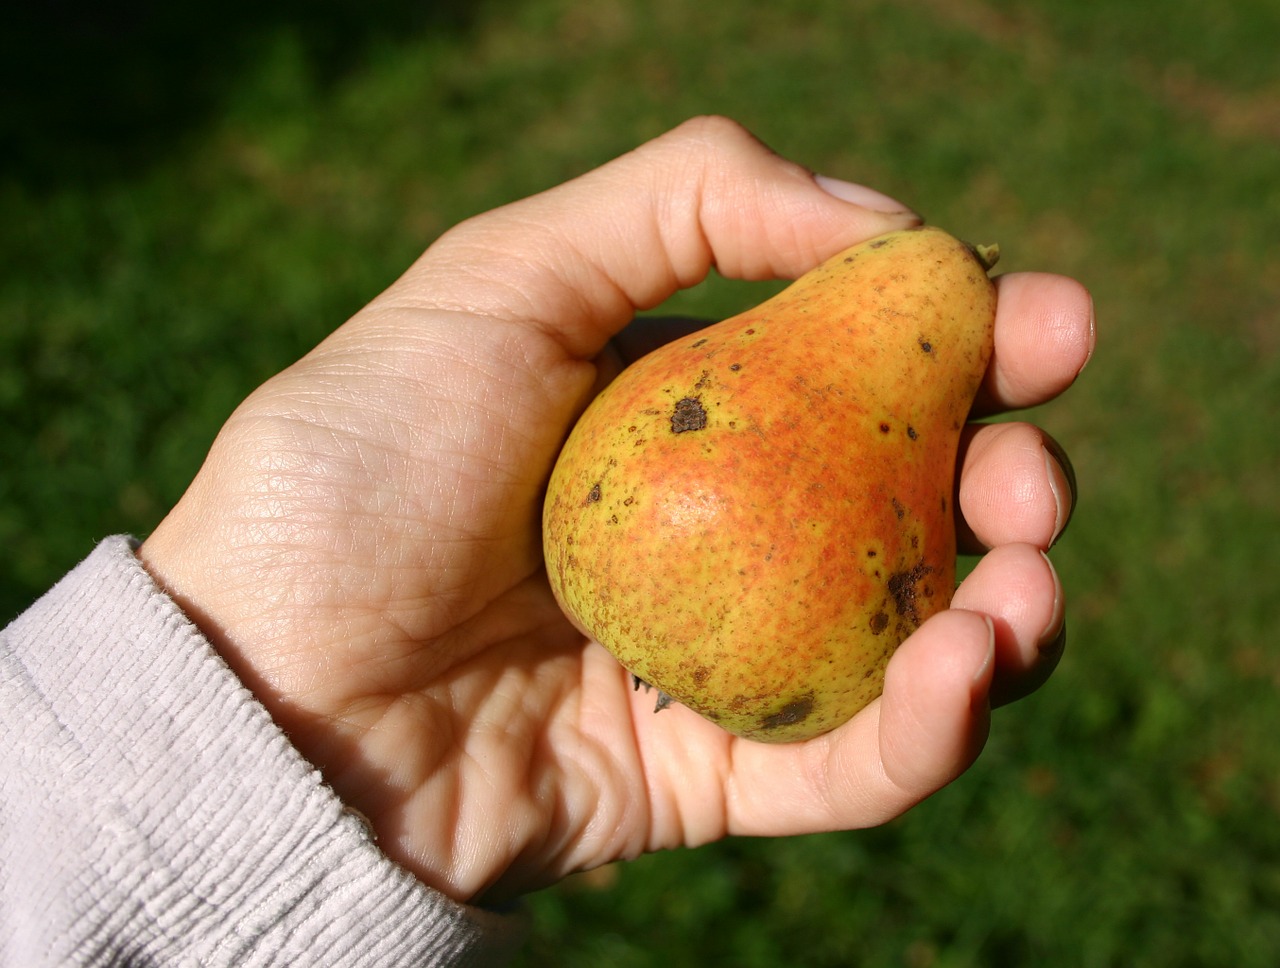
(1046, 333)
(1018, 589)
(1017, 485)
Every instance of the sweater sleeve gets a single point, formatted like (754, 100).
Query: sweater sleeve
(152, 813)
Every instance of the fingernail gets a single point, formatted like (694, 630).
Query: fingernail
(868, 198)
(1054, 635)
(1093, 336)
(1062, 484)
(982, 674)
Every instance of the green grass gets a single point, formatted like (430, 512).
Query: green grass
(176, 231)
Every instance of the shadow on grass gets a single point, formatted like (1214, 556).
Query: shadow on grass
(92, 90)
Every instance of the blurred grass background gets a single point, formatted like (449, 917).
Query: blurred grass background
(192, 195)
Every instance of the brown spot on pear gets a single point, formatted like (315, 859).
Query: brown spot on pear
(737, 578)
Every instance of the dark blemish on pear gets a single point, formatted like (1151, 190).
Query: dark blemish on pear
(879, 622)
(688, 415)
(926, 345)
(898, 509)
(793, 712)
(884, 428)
(735, 367)
(911, 432)
(701, 342)
(903, 589)
(594, 494)
(877, 244)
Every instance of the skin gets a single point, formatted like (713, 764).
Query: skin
(363, 541)
(753, 517)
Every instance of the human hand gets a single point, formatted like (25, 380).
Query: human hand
(363, 543)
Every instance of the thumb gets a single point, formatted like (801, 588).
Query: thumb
(579, 260)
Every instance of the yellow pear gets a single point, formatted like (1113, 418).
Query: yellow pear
(753, 517)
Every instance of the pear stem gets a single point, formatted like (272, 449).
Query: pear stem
(988, 255)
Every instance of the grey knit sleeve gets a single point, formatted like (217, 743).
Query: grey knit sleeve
(151, 812)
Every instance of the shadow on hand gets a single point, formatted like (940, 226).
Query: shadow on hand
(92, 90)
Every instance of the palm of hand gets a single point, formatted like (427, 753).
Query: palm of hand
(389, 585)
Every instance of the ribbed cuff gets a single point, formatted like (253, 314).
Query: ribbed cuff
(152, 812)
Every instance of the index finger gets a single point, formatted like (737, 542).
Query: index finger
(1044, 335)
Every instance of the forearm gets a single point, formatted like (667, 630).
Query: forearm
(151, 811)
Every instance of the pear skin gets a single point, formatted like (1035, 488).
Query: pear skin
(753, 517)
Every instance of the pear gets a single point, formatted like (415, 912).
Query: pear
(753, 517)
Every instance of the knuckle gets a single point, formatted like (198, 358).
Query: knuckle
(714, 134)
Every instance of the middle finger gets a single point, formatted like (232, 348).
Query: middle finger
(1016, 485)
